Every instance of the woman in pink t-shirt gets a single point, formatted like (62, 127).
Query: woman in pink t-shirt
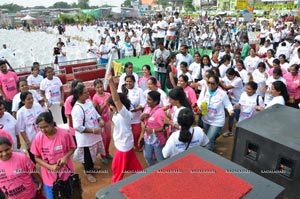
(52, 148)
(16, 171)
(102, 107)
(190, 93)
(154, 137)
(293, 86)
(68, 106)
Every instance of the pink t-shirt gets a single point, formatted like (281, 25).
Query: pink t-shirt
(270, 72)
(51, 150)
(8, 82)
(99, 100)
(142, 82)
(15, 177)
(190, 94)
(7, 135)
(293, 85)
(155, 121)
(68, 109)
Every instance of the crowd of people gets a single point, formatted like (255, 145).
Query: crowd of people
(146, 119)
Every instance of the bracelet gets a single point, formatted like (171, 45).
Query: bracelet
(153, 131)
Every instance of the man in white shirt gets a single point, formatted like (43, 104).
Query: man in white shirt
(183, 56)
(4, 52)
(162, 26)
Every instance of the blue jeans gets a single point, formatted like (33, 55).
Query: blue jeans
(148, 153)
(161, 77)
(212, 133)
(48, 192)
(231, 118)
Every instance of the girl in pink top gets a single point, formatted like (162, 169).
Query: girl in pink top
(68, 106)
(16, 171)
(100, 101)
(142, 82)
(52, 148)
(190, 93)
(293, 86)
(153, 116)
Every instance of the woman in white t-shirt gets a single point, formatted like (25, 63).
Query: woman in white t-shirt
(240, 68)
(251, 62)
(283, 62)
(279, 93)
(103, 51)
(260, 76)
(88, 128)
(51, 88)
(233, 84)
(249, 101)
(137, 103)
(276, 76)
(213, 102)
(26, 117)
(34, 80)
(124, 156)
(186, 137)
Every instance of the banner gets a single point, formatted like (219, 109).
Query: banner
(274, 6)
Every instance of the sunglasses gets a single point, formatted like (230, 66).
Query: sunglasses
(211, 83)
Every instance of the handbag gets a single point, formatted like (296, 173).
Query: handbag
(67, 189)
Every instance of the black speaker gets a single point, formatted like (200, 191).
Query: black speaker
(269, 144)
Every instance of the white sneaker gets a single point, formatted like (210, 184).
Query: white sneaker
(227, 134)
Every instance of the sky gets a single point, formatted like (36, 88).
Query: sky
(46, 3)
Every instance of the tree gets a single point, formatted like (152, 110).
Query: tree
(188, 5)
(83, 4)
(165, 3)
(12, 7)
(61, 4)
(127, 3)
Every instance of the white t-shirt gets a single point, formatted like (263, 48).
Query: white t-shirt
(103, 49)
(215, 107)
(223, 68)
(163, 97)
(122, 134)
(9, 124)
(16, 100)
(136, 97)
(52, 89)
(174, 146)
(91, 120)
(195, 68)
(26, 120)
(248, 105)
(175, 114)
(251, 63)
(161, 33)
(276, 100)
(260, 79)
(92, 51)
(34, 81)
(270, 80)
(61, 58)
(234, 94)
(244, 75)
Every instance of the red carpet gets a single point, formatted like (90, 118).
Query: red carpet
(183, 179)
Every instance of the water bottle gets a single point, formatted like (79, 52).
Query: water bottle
(204, 108)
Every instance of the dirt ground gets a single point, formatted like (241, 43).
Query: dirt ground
(224, 148)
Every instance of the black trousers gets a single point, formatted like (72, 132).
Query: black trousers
(88, 161)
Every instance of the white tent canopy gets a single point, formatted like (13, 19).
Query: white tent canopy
(28, 18)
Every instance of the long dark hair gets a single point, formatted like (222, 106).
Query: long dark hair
(155, 96)
(78, 91)
(45, 117)
(178, 93)
(124, 99)
(281, 87)
(185, 120)
(74, 83)
(23, 96)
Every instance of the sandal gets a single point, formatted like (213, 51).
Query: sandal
(91, 178)
(105, 161)
(110, 157)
